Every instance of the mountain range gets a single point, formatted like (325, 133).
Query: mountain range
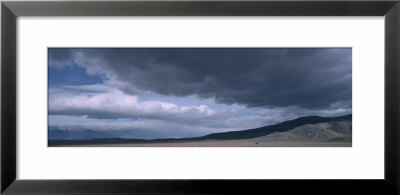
(303, 128)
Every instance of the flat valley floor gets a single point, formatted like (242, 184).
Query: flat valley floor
(227, 143)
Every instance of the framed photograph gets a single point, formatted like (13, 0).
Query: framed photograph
(199, 97)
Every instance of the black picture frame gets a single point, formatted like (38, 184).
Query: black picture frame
(10, 10)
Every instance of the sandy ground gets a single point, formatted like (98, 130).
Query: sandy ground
(228, 143)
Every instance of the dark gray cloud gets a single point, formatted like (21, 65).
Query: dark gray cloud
(313, 78)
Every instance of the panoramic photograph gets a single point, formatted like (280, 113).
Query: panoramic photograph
(199, 97)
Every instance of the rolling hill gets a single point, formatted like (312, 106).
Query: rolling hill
(303, 128)
(330, 131)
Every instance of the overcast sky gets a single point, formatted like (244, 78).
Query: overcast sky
(185, 92)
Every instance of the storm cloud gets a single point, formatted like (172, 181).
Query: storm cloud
(308, 78)
(184, 92)
(117, 105)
